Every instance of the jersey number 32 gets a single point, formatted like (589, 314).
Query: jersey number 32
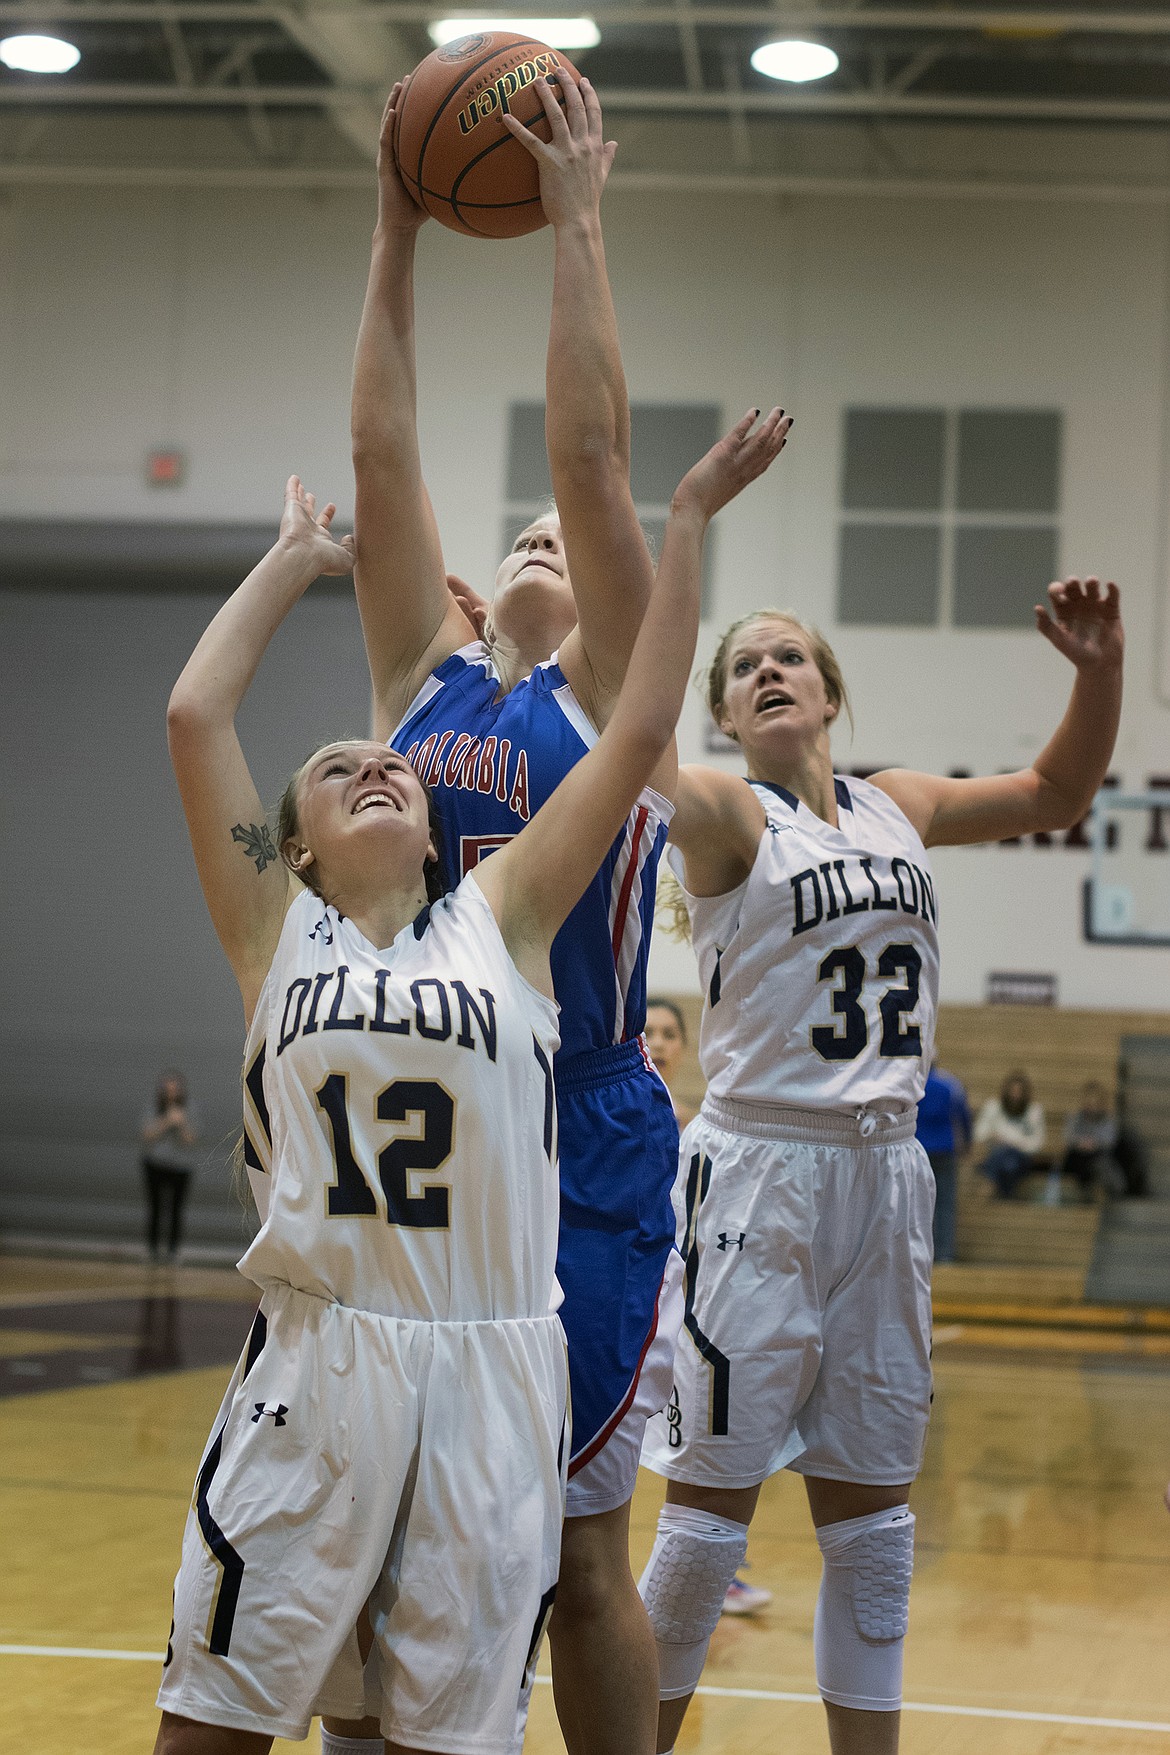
(848, 1036)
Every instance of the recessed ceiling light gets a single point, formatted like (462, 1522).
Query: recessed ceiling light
(795, 61)
(39, 54)
(558, 33)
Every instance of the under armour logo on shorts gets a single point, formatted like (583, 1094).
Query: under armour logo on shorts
(276, 1409)
(727, 1241)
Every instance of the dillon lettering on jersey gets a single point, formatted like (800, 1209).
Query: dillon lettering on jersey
(474, 764)
(839, 887)
(430, 1013)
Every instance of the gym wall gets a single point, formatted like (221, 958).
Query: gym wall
(223, 325)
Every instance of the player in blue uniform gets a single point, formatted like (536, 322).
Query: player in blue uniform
(492, 728)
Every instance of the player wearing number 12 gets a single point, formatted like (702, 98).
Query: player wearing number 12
(803, 1200)
(394, 1437)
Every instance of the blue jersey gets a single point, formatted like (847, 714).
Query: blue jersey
(491, 760)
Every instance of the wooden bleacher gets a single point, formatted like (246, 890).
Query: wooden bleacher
(1021, 1251)
(1039, 1253)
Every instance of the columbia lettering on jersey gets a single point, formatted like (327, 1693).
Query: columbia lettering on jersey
(821, 968)
(492, 759)
(487, 765)
(399, 1118)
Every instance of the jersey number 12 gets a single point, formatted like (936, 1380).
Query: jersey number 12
(429, 1210)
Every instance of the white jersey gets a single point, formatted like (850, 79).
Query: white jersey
(821, 969)
(400, 1122)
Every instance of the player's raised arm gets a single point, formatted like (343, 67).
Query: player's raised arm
(409, 618)
(534, 882)
(1057, 790)
(588, 415)
(245, 882)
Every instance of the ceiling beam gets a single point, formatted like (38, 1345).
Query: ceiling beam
(357, 50)
(81, 95)
(20, 174)
(1041, 23)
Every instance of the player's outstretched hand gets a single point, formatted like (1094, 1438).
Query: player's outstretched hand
(1084, 623)
(307, 534)
(739, 457)
(397, 208)
(574, 162)
(474, 606)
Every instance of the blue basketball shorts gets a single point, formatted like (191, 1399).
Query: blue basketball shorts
(616, 1262)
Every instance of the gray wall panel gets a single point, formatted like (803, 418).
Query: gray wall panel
(109, 968)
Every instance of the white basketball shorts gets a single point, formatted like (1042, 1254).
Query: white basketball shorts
(416, 1465)
(806, 1238)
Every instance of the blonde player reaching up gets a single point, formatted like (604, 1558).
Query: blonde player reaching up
(803, 1199)
(394, 1434)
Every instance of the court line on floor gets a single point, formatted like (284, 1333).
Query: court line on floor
(996, 1712)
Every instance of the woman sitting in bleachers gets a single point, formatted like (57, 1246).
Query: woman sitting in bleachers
(1012, 1127)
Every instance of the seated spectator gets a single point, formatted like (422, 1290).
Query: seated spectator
(944, 1132)
(1090, 1141)
(1012, 1127)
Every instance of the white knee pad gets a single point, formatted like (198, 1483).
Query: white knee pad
(695, 1558)
(863, 1609)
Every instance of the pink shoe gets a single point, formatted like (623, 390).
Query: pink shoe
(745, 1599)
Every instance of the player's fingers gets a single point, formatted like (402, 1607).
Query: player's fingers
(558, 126)
(292, 488)
(744, 425)
(575, 112)
(389, 112)
(1112, 599)
(530, 141)
(610, 153)
(592, 106)
(327, 516)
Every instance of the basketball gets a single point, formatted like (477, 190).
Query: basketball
(453, 152)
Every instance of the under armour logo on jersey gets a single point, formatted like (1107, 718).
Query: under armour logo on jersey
(276, 1409)
(727, 1241)
(323, 927)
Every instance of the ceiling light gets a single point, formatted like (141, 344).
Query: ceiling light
(558, 33)
(795, 61)
(39, 54)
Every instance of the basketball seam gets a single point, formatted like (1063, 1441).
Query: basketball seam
(461, 80)
(453, 198)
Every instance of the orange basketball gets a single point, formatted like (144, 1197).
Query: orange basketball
(454, 154)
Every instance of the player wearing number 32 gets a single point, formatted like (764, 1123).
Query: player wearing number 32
(395, 1431)
(803, 1201)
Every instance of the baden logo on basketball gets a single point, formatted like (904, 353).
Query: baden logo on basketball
(461, 49)
(496, 98)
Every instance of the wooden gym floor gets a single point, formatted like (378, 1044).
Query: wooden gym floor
(1040, 1622)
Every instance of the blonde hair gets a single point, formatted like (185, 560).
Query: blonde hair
(670, 909)
(823, 656)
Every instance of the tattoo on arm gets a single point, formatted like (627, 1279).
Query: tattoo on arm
(257, 843)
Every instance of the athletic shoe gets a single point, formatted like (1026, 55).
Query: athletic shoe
(745, 1599)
